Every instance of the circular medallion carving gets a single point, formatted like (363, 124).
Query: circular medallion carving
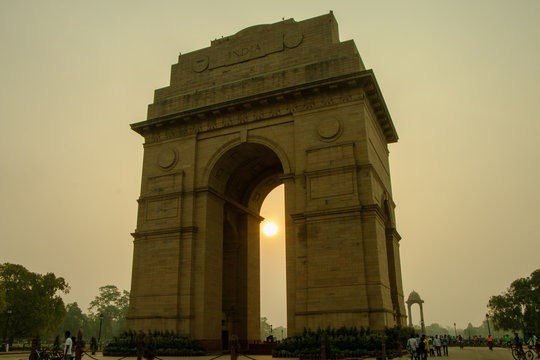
(200, 64)
(292, 38)
(329, 129)
(167, 159)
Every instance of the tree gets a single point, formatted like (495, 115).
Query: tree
(436, 329)
(265, 328)
(469, 331)
(519, 307)
(32, 304)
(279, 332)
(2, 298)
(113, 305)
(74, 320)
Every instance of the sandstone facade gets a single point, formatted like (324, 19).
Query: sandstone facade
(285, 103)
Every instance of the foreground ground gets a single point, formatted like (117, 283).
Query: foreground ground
(478, 353)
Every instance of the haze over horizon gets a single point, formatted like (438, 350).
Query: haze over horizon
(461, 81)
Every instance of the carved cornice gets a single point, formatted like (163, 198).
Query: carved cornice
(333, 170)
(174, 317)
(326, 212)
(283, 102)
(365, 210)
(160, 196)
(288, 177)
(373, 210)
(354, 311)
(167, 231)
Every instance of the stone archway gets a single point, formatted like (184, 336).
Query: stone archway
(282, 103)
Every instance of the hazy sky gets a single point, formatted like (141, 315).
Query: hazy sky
(461, 80)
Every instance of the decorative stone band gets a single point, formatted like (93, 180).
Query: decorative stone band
(160, 317)
(288, 101)
(347, 311)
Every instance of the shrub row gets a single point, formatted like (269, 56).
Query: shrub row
(342, 342)
(163, 343)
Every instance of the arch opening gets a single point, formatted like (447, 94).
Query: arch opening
(242, 177)
(246, 174)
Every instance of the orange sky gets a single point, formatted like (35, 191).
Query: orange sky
(461, 80)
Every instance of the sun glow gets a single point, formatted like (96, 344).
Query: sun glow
(270, 228)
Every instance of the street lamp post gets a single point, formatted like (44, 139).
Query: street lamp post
(455, 331)
(487, 319)
(99, 335)
(6, 332)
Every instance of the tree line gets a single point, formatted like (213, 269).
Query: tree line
(31, 305)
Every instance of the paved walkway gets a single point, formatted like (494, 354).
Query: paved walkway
(474, 353)
(468, 353)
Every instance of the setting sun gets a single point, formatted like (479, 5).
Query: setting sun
(270, 229)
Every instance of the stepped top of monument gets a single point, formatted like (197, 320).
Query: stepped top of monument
(287, 52)
(261, 59)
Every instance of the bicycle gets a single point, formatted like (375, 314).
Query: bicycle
(46, 354)
(535, 350)
(518, 353)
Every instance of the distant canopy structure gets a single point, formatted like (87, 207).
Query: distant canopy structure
(414, 298)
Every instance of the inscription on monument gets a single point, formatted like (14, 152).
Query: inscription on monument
(165, 183)
(242, 50)
(246, 52)
(160, 209)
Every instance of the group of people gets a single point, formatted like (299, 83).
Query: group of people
(420, 347)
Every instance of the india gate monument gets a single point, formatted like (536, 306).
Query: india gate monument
(285, 103)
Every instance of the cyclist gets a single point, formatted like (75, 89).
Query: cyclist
(533, 343)
(517, 343)
(508, 340)
(533, 340)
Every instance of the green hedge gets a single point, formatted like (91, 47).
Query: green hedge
(343, 342)
(163, 343)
